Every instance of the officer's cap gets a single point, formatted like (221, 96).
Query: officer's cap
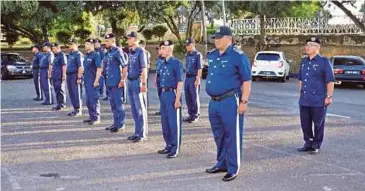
(72, 41)
(90, 40)
(37, 46)
(189, 41)
(132, 35)
(46, 44)
(54, 44)
(314, 39)
(110, 35)
(97, 40)
(222, 31)
(167, 43)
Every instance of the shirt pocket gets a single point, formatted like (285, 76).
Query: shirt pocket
(225, 68)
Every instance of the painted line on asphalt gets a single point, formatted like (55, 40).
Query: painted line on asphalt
(340, 116)
(14, 184)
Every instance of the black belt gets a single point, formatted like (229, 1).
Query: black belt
(223, 96)
(35, 68)
(131, 79)
(190, 75)
(44, 67)
(70, 73)
(167, 89)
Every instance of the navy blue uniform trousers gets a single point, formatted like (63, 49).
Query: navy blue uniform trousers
(171, 122)
(92, 101)
(46, 86)
(74, 90)
(227, 128)
(59, 88)
(192, 97)
(117, 106)
(310, 116)
(37, 84)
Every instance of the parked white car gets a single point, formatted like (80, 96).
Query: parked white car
(271, 65)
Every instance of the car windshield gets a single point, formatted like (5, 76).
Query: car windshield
(268, 56)
(348, 61)
(13, 57)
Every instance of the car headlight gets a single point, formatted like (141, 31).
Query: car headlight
(31, 66)
(11, 68)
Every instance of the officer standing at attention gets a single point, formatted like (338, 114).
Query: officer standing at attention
(228, 84)
(92, 74)
(36, 61)
(101, 52)
(316, 83)
(171, 83)
(45, 73)
(142, 44)
(58, 68)
(116, 73)
(137, 87)
(194, 66)
(74, 74)
(159, 62)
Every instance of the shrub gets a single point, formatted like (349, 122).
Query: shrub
(82, 33)
(159, 31)
(63, 36)
(147, 33)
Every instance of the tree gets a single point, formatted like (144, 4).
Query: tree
(159, 31)
(83, 34)
(147, 34)
(357, 21)
(63, 36)
(11, 38)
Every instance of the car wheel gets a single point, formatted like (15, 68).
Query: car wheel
(30, 76)
(4, 76)
(283, 79)
(254, 78)
(287, 77)
(363, 85)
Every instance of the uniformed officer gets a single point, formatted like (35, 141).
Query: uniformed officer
(137, 87)
(100, 50)
(316, 89)
(58, 68)
(228, 84)
(194, 66)
(74, 73)
(159, 62)
(45, 73)
(37, 57)
(92, 74)
(116, 73)
(142, 44)
(171, 83)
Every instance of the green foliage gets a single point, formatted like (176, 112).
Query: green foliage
(119, 32)
(147, 33)
(11, 38)
(83, 34)
(63, 36)
(159, 31)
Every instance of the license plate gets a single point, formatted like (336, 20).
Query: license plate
(268, 73)
(24, 72)
(352, 72)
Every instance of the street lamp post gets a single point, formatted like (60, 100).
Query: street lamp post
(224, 13)
(204, 29)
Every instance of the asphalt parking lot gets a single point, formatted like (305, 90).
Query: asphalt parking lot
(43, 150)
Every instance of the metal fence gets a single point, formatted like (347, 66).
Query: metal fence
(296, 26)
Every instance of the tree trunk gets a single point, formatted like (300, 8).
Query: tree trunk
(113, 24)
(357, 21)
(261, 45)
(45, 33)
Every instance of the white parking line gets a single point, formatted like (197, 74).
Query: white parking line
(341, 116)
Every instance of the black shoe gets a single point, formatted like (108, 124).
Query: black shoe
(139, 139)
(38, 99)
(171, 156)
(188, 119)
(109, 128)
(215, 170)
(106, 99)
(158, 113)
(194, 120)
(229, 177)
(56, 108)
(97, 122)
(114, 130)
(314, 151)
(46, 103)
(305, 149)
(87, 120)
(163, 151)
(131, 138)
(71, 113)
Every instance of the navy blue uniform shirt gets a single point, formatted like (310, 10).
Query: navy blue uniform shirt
(114, 60)
(193, 62)
(171, 72)
(75, 59)
(59, 61)
(92, 61)
(137, 61)
(47, 58)
(227, 71)
(315, 74)
(37, 59)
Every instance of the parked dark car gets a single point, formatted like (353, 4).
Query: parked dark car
(349, 69)
(13, 65)
(205, 71)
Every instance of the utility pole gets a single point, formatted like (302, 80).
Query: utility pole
(224, 13)
(204, 29)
